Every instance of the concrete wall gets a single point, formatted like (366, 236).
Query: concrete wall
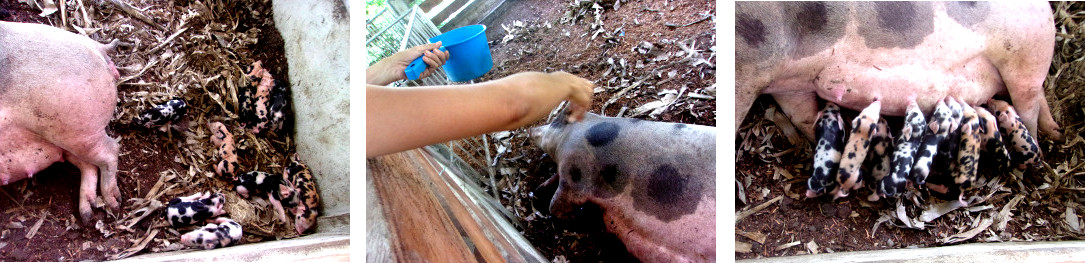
(317, 43)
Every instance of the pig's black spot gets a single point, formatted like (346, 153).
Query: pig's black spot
(814, 26)
(968, 13)
(667, 194)
(602, 133)
(574, 174)
(750, 29)
(666, 185)
(844, 175)
(851, 155)
(679, 126)
(898, 24)
(609, 174)
(610, 181)
(813, 17)
(896, 16)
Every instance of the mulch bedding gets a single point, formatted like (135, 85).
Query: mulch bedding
(1035, 205)
(189, 49)
(637, 53)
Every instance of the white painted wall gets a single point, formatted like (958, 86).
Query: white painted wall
(317, 42)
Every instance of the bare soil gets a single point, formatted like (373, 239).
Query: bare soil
(1049, 199)
(539, 41)
(203, 64)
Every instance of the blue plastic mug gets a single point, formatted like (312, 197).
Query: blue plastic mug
(468, 54)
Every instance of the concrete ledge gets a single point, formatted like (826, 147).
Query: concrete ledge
(323, 247)
(1061, 251)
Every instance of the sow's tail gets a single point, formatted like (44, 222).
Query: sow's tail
(109, 49)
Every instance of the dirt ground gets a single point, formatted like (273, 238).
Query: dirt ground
(1035, 205)
(195, 50)
(632, 42)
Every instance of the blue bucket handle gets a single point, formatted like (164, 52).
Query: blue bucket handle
(415, 69)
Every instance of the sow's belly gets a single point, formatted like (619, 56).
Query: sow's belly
(852, 76)
(23, 153)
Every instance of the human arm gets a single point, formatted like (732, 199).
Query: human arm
(390, 69)
(399, 119)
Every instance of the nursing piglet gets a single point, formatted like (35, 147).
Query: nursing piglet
(830, 135)
(993, 153)
(855, 152)
(1024, 149)
(907, 146)
(878, 160)
(940, 124)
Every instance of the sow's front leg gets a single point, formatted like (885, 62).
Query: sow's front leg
(654, 181)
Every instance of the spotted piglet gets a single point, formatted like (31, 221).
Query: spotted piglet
(945, 160)
(222, 232)
(907, 146)
(1025, 151)
(304, 197)
(830, 135)
(968, 154)
(194, 209)
(257, 182)
(855, 152)
(168, 112)
(655, 182)
(878, 160)
(262, 101)
(993, 153)
(940, 124)
(227, 166)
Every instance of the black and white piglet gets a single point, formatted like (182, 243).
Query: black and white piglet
(257, 182)
(167, 112)
(194, 209)
(904, 157)
(941, 123)
(830, 134)
(222, 232)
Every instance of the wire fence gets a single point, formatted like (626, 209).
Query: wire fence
(392, 30)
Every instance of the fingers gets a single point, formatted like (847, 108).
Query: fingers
(580, 94)
(432, 59)
(425, 47)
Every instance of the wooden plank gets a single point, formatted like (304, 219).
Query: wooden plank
(377, 241)
(473, 14)
(418, 211)
(444, 14)
(420, 230)
(428, 5)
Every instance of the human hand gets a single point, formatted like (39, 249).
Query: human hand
(390, 69)
(547, 90)
(579, 96)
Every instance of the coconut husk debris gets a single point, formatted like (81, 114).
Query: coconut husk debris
(198, 51)
(1034, 205)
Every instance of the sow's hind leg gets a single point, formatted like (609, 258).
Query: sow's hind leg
(1023, 60)
(96, 158)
